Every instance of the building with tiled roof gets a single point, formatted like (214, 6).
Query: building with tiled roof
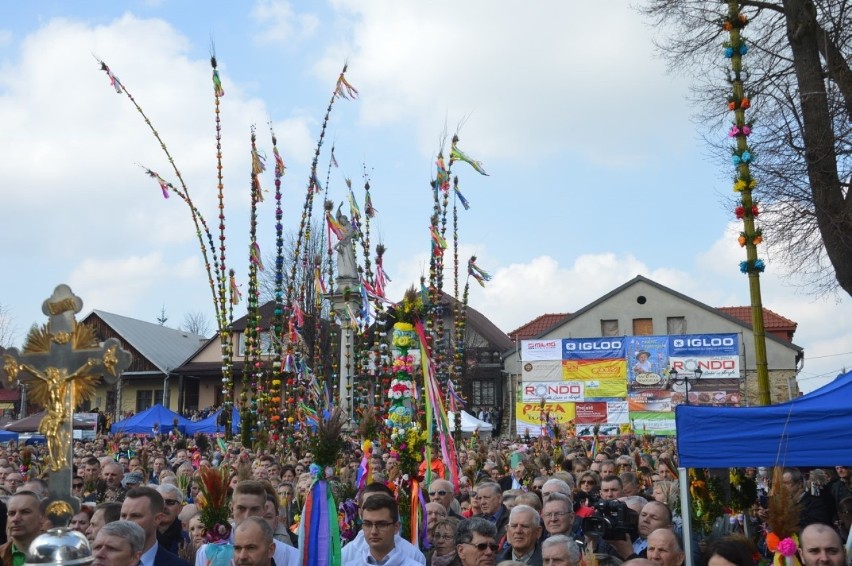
(537, 326)
(773, 322)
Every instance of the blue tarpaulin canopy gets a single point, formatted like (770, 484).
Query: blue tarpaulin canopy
(7, 435)
(813, 430)
(211, 425)
(143, 423)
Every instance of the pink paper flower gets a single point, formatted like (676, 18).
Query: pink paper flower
(788, 547)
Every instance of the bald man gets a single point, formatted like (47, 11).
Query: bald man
(664, 548)
(821, 546)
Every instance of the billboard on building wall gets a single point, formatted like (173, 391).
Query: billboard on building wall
(616, 382)
(552, 391)
(547, 349)
(528, 416)
(542, 370)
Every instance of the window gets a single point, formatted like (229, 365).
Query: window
(265, 346)
(145, 399)
(609, 328)
(643, 327)
(484, 392)
(675, 325)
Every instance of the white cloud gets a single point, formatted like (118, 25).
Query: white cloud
(279, 22)
(5, 37)
(121, 285)
(560, 87)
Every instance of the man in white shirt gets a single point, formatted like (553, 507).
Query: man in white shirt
(356, 548)
(249, 500)
(380, 524)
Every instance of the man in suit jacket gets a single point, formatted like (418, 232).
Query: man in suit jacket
(523, 537)
(515, 479)
(144, 506)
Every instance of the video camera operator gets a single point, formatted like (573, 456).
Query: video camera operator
(613, 527)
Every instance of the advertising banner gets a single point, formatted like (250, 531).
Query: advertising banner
(545, 370)
(605, 388)
(528, 416)
(659, 424)
(590, 413)
(588, 430)
(593, 369)
(698, 345)
(556, 392)
(712, 367)
(549, 349)
(647, 361)
(593, 348)
(651, 401)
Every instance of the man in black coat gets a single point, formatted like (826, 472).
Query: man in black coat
(144, 506)
(523, 534)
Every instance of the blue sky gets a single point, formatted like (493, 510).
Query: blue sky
(597, 170)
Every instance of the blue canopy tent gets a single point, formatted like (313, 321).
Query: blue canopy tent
(211, 425)
(813, 430)
(7, 435)
(143, 423)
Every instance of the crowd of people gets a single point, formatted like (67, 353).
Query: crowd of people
(535, 502)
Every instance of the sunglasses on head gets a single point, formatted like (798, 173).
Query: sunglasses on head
(483, 545)
(439, 493)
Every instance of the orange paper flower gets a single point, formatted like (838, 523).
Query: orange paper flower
(772, 541)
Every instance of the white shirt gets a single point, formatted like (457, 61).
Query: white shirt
(355, 552)
(147, 558)
(394, 558)
(285, 555)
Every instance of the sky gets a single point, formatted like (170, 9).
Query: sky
(597, 169)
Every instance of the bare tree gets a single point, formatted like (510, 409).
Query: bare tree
(800, 85)
(197, 323)
(7, 326)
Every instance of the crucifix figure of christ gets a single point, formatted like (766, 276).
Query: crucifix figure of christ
(61, 364)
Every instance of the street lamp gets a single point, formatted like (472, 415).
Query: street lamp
(673, 377)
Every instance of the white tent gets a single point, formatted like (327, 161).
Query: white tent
(469, 423)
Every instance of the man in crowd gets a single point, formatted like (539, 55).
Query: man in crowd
(558, 515)
(356, 549)
(144, 506)
(441, 491)
(554, 485)
(119, 543)
(629, 484)
(157, 466)
(664, 548)
(491, 507)
(522, 535)
(560, 550)
(380, 523)
(821, 546)
(515, 479)
(611, 488)
(434, 513)
(104, 514)
(24, 524)
(249, 500)
(812, 508)
(111, 474)
(476, 542)
(170, 533)
(253, 543)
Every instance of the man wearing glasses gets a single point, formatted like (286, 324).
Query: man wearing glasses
(523, 534)
(476, 543)
(441, 491)
(356, 551)
(380, 524)
(170, 533)
(558, 515)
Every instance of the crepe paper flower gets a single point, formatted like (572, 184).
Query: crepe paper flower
(743, 49)
(788, 547)
(740, 186)
(744, 267)
(729, 52)
(758, 239)
(754, 210)
(759, 266)
(772, 541)
(746, 130)
(744, 103)
(742, 239)
(739, 212)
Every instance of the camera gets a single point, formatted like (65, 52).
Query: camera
(612, 520)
